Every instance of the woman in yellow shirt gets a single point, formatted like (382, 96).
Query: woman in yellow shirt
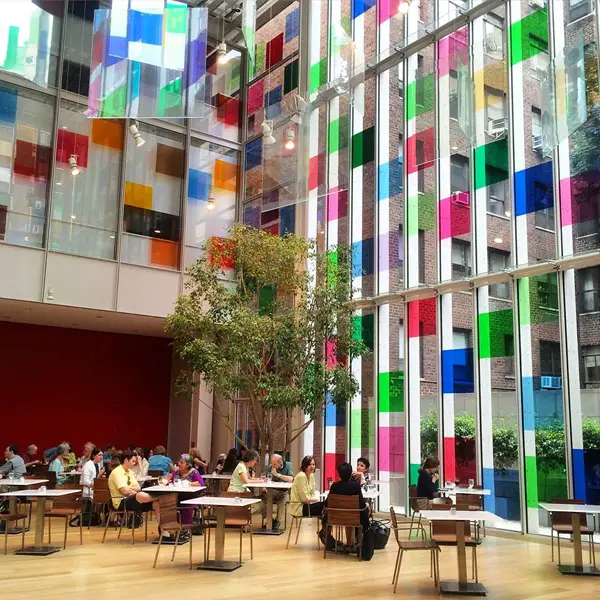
(303, 497)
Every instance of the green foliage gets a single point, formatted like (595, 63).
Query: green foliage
(265, 339)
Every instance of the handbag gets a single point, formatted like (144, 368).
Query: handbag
(381, 533)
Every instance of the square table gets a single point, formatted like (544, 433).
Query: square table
(367, 494)
(144, 478)
(468, 491)
(39, 549)
(218, 478)
(12, 501)
(578, 510)
(463, 586)
(220, 504)
(269, 487)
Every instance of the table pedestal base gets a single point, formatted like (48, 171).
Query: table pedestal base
(171, 541)
(219, 565)
(463, 589)
(584, 570)
(268, 532)
(38, 550)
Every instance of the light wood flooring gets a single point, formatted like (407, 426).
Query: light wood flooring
(511, 569)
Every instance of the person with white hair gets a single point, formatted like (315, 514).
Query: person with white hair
(280, 470)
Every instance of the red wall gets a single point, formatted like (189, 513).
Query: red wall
(66, 384)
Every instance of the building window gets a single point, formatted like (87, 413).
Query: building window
(548, 291)
(401, 250)
(495, 113)
(496, 196)
(536, 125)
(419, 81)
(579, 9)
(498, 261)
(461, 338)
(544, 217)
(420, 156)
(421, 235)
(453, 95)
(550, 359)
(540, 61)
(461, 259)
(494, 38)
(589, 280)
(509, 353)
(590, 361)
(459, 173)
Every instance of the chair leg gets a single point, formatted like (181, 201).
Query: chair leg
(326, 528)
(359, 536)
(49, 531)
(298, 531)
(66, 529)
(318, 521)
(399, 565)
(157, 551)
(290, 532)
(437, 567)
(251, 544)
(191, 538)
(241, 530)
(81, 528)
(475, 567)
(23, 535)
(412, 521)
(106, 525)
(558, 544)
(552, 542)
(5, 537)
(431, 567)
(396, 566)
(133, 528)
(175, 546)
(30, 511)
(145, 517)
(123, 518)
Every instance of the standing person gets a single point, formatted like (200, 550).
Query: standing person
(303, 496)
(57, 465)
(30, 458)
(91, 469)
(141, 465)
(159, 462)
(231, 461)
(280, 471)
(14, 463)
(428, 478)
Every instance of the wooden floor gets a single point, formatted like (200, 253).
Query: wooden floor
(511, 569)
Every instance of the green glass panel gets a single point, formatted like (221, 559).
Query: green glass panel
(524, 311)
(414, 474)
(114, 104)
(543, 298)
(391, 391)
(318, 74)
(259, 58)
(362, 430)
(290, 77)
(363, 328)
(491, 163)
(529, 36)
(420, 96)
(176, 19)
(338, 134)
(494, 329)
(363, 147)
(532, 481)
(346, 24)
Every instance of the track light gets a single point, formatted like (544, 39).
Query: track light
(267, 133)
(290, 139)
(404, 6)
(73, 164)
(300, 106)
(222, 54)
(210, 205)
(135, 134)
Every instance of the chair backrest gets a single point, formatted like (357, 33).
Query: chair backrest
(155, 472)
(446, 527)
(441, 501)
(51, 477)
(35, 486)
(343, 510)
(417, 504)
(394, 520)
(564, 518)
(72, 501)
(168, 509)
(469, 500)
(238, 512)
(101, 490)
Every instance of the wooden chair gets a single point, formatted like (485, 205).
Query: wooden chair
(416, 505)
(563, 523)
(155, 473)
(344, 511)
(168, 521)
(406, 546)
(235, 517)
(13, 518)
(102, 496)
(444, 533)
(470, 502)
(102, 499)
(51, 477)
(297, 520)
(28, 502)
(66, 507)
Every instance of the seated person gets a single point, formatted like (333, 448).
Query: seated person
(280, 471)
(125, 490)
(141, 464)
(362, 471)
(303, 497)
(428, 477)
(91, 469)
(87, 454)
(14, 463)
(231, 461)
(30, 458)
(69, 459)
(199, 463)
(159, 462)
(240, 477)
(57, 465)
(220, 464)
(186, 471)
(349, 487)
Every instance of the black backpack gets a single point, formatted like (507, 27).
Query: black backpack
(368, 544)
(381, 533)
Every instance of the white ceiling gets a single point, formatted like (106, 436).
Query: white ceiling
(36, 313)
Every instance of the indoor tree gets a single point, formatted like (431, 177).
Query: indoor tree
(279, 337)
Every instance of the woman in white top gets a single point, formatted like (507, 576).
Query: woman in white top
(303, 496)
(141, 464)
(92, 468)
(240, 477)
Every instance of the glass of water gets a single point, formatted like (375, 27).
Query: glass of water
(471, 484)
(11, 475)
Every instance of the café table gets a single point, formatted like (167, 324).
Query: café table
(463, 586)
(218, 478)
(467, 491)
(173, 489)
(269, 487)
(220, 505)
(41, 495)
(144, 478)
(12, 502)
(578, 511)
(367, 494)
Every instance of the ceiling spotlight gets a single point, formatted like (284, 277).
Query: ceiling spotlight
(222, 54)
(135, 134)
(267, 133)
(290, 139)
(300, 106)
(210, 205)
(404, 6)
(73, 164)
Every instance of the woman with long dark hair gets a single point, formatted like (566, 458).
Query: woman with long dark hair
(428, 477)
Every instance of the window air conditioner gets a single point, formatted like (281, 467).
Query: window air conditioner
(496, 126)
(551, 383)
(537, 3)
(461, 198)
(537, 142)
